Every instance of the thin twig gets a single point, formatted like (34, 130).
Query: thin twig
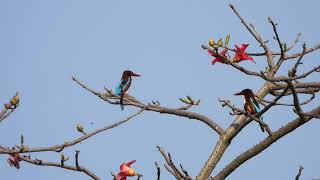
(171, 167)
(262, 101)
(52, 164)
(293, 56)
(294, 42)
(296, 101)
(249, 28)
(158, 170)
(299, 172)
(8, 110)
(277, 38)
(60, 147)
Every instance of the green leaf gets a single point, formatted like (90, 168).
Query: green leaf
(184, 100)
(226, 41)
(285, 46)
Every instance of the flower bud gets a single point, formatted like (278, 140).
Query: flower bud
(80, 128)
(220, 43)
(211, 42)
(7, 106)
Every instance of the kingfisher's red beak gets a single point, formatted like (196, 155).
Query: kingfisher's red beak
(239, 93)
(134, 74)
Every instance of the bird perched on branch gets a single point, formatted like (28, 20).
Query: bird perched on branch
(250, 103)
(124, 85)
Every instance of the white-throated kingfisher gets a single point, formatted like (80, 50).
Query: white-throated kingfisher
(124, 85)
(250, 103)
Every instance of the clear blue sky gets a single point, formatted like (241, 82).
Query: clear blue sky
(43, 43)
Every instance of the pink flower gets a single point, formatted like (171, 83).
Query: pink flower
(241, 55)
(217, 58)
(14, 160)
(126, 170)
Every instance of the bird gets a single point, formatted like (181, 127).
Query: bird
(124, 85)
(250, 103)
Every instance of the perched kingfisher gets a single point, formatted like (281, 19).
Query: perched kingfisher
(250, 103)
(124, 85)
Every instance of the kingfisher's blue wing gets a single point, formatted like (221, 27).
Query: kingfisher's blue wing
(118, 89)
(121, 86)
(256, 106)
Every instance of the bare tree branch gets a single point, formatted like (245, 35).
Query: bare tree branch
(293, 71)
(171, 167)
(60, 147)
(296, 101)
(294, 42)
(304, 85)
(10, 107)
(158, 108)
(113, 175)
(158, 170)
(277, 38)
(299, 173)
(256, 35)
(293, 56)
(226, 138)
(249, 28)
(261, 74)
(52, 164)
(298, 91)
(254, 117)
(262, 101)
(264, 144)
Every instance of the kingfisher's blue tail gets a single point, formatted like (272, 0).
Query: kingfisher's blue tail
(121, 102)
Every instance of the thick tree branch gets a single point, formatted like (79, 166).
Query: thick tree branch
(299, 85)
(298, 91)
(225, 140)
(264, 144)
(240, 122)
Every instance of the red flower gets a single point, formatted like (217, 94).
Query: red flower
(126, 170)
(241, 55)
(14, 160)
(217, 58)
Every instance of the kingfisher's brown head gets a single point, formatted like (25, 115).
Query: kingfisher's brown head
(128, 73)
